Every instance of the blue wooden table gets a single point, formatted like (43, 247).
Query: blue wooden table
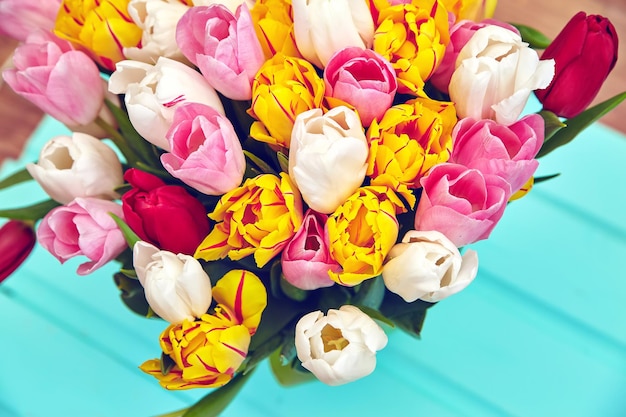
(541, 332)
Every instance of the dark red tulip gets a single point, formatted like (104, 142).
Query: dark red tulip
(585, 52)
(17, 240)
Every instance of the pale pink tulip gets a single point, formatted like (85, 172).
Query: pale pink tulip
(62, 82)
(83, 227)
(464, 204)
(20, 18)
(363, 79)
(306, 259)
(223, 46)
(205, 151)
(508, 152)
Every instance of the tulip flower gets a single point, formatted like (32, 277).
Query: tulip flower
(21, 18)
(17, 240)
(427, 266)
(363, 79)
(339, 347)
(164, 215)
(273, 22)
(328, 157)
(495, 74)
(61, 81)
(83, 227)
(152, 93)
(205, 151)
(464, 204)
(323, 27)
(232, 5)
(585, 52)
(223, 46)
(175, 285)
(474, 10)
(306, 259)
(506, 151)
(77, 166)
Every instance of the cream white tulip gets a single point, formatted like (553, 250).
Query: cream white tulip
(77, 166)
(339, 347)
(327, 156)
(495, 74)
(323, 27)
(427, 266)
(158, 20)
(153, 92)
(175, 285)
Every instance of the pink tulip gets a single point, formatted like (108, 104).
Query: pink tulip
(363, 79)
(223, 46)
(205, 150)
(508, 152)
(306, 259)
(20, 18)
(464, 204)
(62, 82)
(83, 227)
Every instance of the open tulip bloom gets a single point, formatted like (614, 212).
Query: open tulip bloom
(287, 177)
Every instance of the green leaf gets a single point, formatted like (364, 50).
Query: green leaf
(370, 293)
(19, 177)
(535, 39)
(130, 236)
(283, 161)
(132, 294)
(545, 178)
(375, 314)
(33, 212)
(214, 403)
(260, 164)
(579, 123)
(552, 123)
(407, 316)
(288, 376)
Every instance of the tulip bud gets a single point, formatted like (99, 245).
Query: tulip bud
(17, 240)
(339, 347)
(585, 52)
(176, 286)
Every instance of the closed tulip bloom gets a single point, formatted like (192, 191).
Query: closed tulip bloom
(175, 285)
(495, 74)
(427, 266)
(152, 93)
(323, 27)
(205, 151)
(363, 79)
(83, 227)
(339, 347)
(224, 46)
(306, 259)
(17, 240)
(328, 157)
(273, 22)
(21, 18)
(62, 82)
(585, 52)
(77, 166)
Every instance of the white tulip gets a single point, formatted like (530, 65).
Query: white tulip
(153, 92)
(427, 266)
(495, 74)
(323, 27)
(157, 19)
(339, 347)
(77, 166)
(176, 286)
(327, 156)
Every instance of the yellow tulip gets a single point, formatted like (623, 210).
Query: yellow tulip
(283, 88)
(259, 218)
(104, 28)
(413, 37)
(408, 141)
(475, 10)
(361, 232)
(273, 22)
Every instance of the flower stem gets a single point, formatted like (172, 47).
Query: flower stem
(119, 141)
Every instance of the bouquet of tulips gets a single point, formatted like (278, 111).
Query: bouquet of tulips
(287, 179)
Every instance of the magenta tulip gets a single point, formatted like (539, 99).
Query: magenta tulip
(17, 240)
(223, 46)
(585, 52)
(83, 227)
(506, 151)
(464, 204)
(205, 150)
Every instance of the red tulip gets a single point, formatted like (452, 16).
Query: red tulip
(17, 240)
(585, 52)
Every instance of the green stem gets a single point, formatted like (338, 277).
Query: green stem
(118, 140)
